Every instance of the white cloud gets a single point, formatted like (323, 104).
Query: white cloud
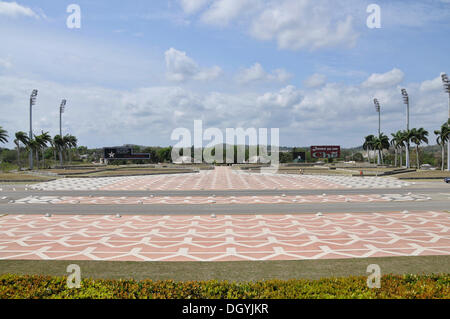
(293, 24)
(5, 63)
(335, 113)
(286, 97)
(181, 68)
(222, 12)
(193, 6)
(432, 85)
(208, 74)
(315, 80)
(257, 73)
(391, 78)
(304, 24)
(13, 9)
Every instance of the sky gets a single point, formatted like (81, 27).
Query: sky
(136, 70)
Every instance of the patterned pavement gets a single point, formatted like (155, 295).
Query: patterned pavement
(225, 238)
(222, 178)
(220, 200)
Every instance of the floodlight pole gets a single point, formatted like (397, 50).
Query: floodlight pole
(378, 109)
(448, 125)
(446, 83)
(60, 123)
(31, 134)
(61, 111)
(406, 101)
(32, 102)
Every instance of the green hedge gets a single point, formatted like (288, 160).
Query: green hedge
(392, 286)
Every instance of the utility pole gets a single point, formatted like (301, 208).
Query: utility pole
(406, 101)
(32, 102)
(61, 111)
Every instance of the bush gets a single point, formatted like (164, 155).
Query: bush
(7, 167)
(9, 156)
(392, 286)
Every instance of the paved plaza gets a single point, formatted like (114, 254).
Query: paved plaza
(223, 215)
(220, 200)
(222, 178)
(224, 238)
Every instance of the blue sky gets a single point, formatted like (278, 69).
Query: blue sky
(136, 70)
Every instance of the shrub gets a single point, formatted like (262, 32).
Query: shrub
(392, 286)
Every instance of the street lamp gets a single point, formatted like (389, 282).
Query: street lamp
(33, 97)
(61, 111)
(446, 82)
(406, 101)
(378, 109)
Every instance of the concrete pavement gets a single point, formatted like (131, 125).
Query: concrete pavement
(251, 214)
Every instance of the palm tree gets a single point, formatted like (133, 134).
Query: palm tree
(21, 137)
(66, 143)
(52, 144)
(71, 142)
(3, 135)
(59, 143)
(401, 145)
(43, 139)
(394, 143)
(33, 145)
(442, 139)
(406, 138)
(368, 145)
(381, 143)
(400, 140)
(38, 144)
(419, 136)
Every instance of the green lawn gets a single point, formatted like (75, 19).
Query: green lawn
(231, 271)
(18, 177)
(425, 174)
(135, 172)
(130, 170)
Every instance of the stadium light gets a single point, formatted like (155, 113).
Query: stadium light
(33, 97)
(446, 83)
(62, 107)
(378, 109)
(406, 101)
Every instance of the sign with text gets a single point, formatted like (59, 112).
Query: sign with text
(325, 151)
(123, 153)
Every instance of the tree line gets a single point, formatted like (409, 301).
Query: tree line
(401, 142)
(37, 145)
(67, 144)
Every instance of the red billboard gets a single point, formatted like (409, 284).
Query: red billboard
(325, 151)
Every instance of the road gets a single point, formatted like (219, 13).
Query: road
(439, 194)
